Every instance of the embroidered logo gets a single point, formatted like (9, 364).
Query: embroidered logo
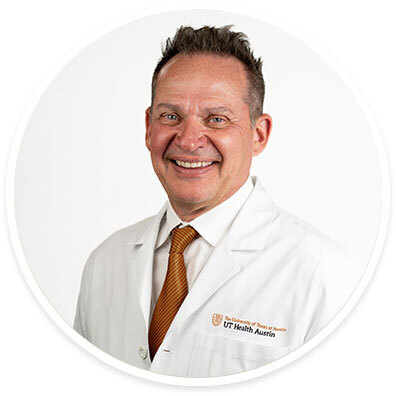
(216, 319)
(233, 323)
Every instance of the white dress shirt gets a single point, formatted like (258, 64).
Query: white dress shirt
(211, 227)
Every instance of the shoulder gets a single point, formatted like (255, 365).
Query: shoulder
(124, 236)
(333, 265)
(290, 226)
(290, 232)
(262, 225)
(108, 259)
(314, 250)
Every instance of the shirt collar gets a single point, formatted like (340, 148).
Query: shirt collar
(224, 214)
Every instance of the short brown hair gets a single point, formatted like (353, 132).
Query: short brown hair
(219, 41)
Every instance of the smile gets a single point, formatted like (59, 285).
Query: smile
(184, 164)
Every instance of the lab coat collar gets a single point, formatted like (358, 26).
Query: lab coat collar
(259, 209)
(224, 214)
(250, 228)
(139, 238)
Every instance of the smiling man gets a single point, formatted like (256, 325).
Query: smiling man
(221, 280)
(200, 132)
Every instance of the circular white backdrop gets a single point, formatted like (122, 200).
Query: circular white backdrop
(82, 170)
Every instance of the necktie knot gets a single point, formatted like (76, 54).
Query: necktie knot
(181, 238)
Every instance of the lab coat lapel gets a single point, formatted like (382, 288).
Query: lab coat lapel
(140, 257)
(220, 267)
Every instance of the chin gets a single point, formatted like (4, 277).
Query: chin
(192, 197)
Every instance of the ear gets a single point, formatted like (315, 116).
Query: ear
(261, 133)
(147, 120)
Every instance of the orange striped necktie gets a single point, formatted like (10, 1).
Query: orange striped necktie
(174, 290)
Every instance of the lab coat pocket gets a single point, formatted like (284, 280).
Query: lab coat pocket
(214, 356)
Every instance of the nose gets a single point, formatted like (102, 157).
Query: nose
(190, 136)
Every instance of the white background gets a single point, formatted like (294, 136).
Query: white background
(36, 357)
(83, 171)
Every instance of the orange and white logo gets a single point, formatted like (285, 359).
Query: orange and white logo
(216, 319)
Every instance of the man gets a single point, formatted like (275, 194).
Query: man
(220, 280)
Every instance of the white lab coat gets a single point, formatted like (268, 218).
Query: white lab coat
(271, 284)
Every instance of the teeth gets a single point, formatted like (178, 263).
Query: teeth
(193, 164)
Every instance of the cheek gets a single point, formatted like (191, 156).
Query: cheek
(159, 142)
(235, 149)
(225, 144)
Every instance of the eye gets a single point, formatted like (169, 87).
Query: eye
(169, 117)
(217, 120)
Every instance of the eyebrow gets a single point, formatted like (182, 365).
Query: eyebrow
(169, 106)
(208, 110)
(220, 109)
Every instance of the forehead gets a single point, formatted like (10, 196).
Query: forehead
(203, 76)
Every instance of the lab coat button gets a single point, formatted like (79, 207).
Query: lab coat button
(143, 352)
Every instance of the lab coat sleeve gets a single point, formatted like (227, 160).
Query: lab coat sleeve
(80, 321)
(339, 276)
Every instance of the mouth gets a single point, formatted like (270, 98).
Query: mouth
(188, 165)
(193, 169)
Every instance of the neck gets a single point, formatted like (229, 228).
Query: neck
(189, 211)
(189, 215)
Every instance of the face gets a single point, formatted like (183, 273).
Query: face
(199, 131)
